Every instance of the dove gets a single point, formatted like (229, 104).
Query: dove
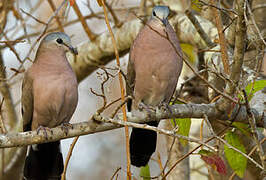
(49, 99)
(155, 64)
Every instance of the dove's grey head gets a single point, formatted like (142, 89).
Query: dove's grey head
(161, 13)
(59, 39)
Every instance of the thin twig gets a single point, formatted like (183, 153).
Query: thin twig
(236, 68)
(121, 87)
(102, 95)
(68, 157)
(168, 157)
(190, 152)
(249, 154)
(219, 8)
(52, 5)
(3, 131)
(158, 130)
(210, 85)
(237, 150)
(36, 19)
(2, 124)
(12, 42)
(160, 163)
(3, 162)
(6, 94)
(90, 127)
(92, 15)
(116, 20)
(220, 75)
(113, 102)
(222, 42)
(116, 172)
(90, 34)
(228, 25)
(229, 145)
(199, 28)
(254, 131)
(11, 47)
(120, 106)
(254, 22)
(50, 19)
(209, 125)
(18, 16)
(193, 150)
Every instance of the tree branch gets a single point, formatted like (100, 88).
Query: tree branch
(91, 127)
(240, 42)
(8, 100)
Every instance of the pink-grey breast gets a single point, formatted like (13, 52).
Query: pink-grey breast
(49, 98)
(155, 63)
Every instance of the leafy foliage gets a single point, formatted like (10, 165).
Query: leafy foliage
(243, 127)
(183, 128)
(236, 160)
(145, 172)
(254, 87)
(184, 125)
(195, 5)
(190, 52)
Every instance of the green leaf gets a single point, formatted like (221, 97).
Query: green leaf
(190, 51)
(183, 128)
(236, 160)
(243, 127)
(196, 6)
(145, 172)
(205, 152)
(258, 85)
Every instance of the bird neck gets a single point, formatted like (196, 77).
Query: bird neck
(156, 25)
(51, 54)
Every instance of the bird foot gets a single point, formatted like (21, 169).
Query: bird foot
(44, 129)
(65, 127)
(165, 107)
(149, 109)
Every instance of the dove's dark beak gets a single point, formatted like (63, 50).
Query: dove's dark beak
(165, 21)
(72, 49)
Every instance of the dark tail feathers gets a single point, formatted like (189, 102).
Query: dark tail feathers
(142, 145)
(44, 162)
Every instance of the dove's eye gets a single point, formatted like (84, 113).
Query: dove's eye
(59, 41)
(154, 13)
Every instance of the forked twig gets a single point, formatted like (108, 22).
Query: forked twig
(121, 87)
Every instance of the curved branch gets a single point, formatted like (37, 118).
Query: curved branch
(93, 126)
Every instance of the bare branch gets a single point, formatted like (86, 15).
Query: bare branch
(254, 130)
(52, 5)
(121, 88)
(240, 41)
(90, 34)
(68, 157)
(198, 27)
(91, 127)
(222, 42)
